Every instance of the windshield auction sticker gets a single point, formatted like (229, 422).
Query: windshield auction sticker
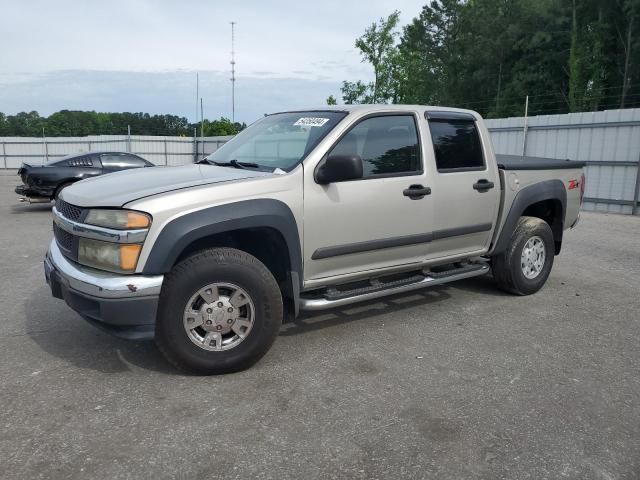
(311, 122)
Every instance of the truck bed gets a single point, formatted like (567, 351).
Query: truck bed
(517, 162)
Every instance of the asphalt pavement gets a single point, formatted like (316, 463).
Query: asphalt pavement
(459, 381)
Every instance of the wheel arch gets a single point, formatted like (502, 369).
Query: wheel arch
(265, 228)
(63, 184)
(545, 200)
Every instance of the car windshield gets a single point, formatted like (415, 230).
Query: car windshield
(277, 141)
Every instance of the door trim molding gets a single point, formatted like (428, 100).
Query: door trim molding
(457, 231)
(370, 245)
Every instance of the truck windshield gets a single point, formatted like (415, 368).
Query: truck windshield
(279, 141)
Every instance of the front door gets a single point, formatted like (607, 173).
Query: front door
(379, 221)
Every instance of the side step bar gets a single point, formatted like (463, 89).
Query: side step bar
(333, 299)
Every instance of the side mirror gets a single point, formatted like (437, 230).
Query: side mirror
(339, 168)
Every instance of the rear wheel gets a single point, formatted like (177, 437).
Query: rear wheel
(524, 266)
(220, 311)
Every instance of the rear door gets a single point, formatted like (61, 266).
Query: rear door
(466, 188)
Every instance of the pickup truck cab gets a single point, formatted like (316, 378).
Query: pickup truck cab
(305, 210)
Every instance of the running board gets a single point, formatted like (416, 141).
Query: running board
(333, 298)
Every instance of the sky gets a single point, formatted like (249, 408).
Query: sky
(142, 55)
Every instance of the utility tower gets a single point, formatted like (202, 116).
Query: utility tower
(233, 74)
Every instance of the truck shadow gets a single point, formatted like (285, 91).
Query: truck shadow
(386, 306)
(30, 208)
(483, 285)
(312, 321)
(62, 333)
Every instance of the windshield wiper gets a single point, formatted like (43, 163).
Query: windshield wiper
(235, 163)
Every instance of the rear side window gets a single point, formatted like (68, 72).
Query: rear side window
(388, 145)
(456, 144)
(121, 160)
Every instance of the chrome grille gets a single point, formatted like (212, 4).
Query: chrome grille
(69, 211)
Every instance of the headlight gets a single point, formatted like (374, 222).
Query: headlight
(118, 219)
(114, 257)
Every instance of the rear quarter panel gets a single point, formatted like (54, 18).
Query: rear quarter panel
(514, 181)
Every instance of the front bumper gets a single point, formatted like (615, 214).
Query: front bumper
(123, 305)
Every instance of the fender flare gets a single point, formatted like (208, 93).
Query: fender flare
(180, 232)
(538, 192)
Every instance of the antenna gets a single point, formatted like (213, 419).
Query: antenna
(197, 96)
(233, 75)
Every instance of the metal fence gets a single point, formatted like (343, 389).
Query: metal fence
(169, 151)
(609, 142)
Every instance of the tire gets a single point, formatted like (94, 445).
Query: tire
(231, 273)
(59, 190)
(516, 273)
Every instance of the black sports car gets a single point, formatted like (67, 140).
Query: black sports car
(45, 182)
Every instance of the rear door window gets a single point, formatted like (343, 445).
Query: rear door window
(456, 144)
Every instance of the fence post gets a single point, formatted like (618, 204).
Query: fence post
(89, 145)
(46, 147)
(524, 129)
(195, 146)
(4, 154)
(129, 138)
(636, 190)
(166, 159)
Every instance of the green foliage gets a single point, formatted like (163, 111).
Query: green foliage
(356, 92)
(331, 100)
(488, 55)
(69, 123)
(377, 46)
(224, 126)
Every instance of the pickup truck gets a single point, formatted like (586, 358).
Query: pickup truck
(305, 210)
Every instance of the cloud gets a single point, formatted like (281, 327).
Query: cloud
(164, 35)
(160, 92)
(263, 74)
(141, 56)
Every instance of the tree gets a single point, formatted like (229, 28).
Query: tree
(377, 46)
(628, 32)
(3, 124)
(75, 123)
(224, 126)
(357, 92)
(331, 100)
(566, 55)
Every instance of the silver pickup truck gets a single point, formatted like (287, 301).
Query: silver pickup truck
(305, 210)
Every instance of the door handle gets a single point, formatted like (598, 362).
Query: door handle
(483, 185)
(416, 192)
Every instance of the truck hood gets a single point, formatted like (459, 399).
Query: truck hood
(116, 189)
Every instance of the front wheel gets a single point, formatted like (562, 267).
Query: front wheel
(524, 266)
(220, 311)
